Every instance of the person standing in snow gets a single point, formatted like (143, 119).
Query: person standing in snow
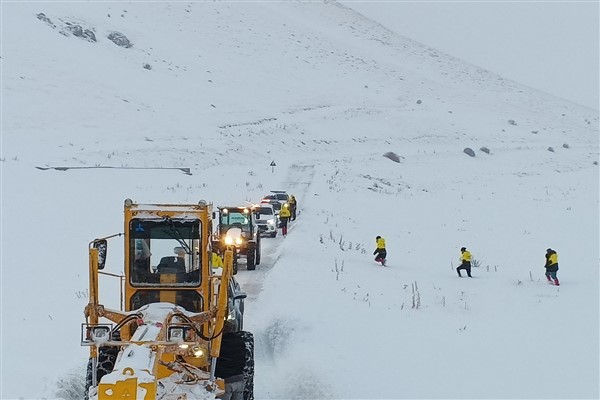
(465, 259)
(293, 205)
(380, 252)
(551, 266)
(284, 216)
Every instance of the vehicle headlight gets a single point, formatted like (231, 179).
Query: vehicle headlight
(228, 240)
(231, 315)
(271, 221)
(199, 352)
(239, 240)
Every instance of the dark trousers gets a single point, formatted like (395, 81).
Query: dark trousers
(380, 254)
(465, 265)
(284, 222)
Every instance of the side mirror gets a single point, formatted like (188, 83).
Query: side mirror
(240, 296)
(102, 247)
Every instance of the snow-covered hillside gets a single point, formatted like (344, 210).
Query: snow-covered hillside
(224, 89)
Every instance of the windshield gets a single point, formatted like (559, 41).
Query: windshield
(234, 218)
(165, 252)
(265, 211)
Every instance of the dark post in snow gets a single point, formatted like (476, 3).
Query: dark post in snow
(273, 165)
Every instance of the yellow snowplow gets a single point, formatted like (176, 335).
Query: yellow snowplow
(165, 338)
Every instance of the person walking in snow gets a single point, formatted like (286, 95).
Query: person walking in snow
(551, 266)
(465, 259)
(284, 216)
(380, 252)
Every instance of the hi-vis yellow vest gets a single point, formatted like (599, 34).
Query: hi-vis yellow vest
(466, 256)
(217, 262)
(285, 212)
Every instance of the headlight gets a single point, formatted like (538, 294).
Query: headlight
(199, 352)
(231, 315)
(271, 221)
(239, 240)
(228, 240)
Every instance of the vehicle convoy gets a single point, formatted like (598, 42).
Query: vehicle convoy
(279, 195)
(277, 199)
(236, 227)
(165, 339)
(266, 219)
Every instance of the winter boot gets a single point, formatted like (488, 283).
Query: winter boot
(556, 282)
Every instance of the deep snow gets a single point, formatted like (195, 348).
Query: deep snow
(323, 92)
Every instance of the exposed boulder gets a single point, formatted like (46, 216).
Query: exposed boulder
(120, 40)
(80, 32)
(469, 151)
(392, 156)
(42, 17)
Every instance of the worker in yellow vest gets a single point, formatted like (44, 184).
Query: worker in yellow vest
(217, 261)
(380, 252)
(465, 259)
(284, 217)
(551, 266)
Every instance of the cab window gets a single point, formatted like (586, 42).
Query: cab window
(165, 252)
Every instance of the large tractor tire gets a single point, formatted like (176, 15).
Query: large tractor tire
(107, 356)
(249, 367)
(258, 251)
(251, 259)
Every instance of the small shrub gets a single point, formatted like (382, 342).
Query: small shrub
(566, 145)
(147, 66)
(551, 149)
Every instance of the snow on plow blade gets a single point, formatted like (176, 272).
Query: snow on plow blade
(128, 384)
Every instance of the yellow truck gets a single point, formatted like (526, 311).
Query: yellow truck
(165, 339)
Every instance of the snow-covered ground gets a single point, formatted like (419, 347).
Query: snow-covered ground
(323, 92)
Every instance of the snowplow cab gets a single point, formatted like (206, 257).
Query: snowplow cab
(166, 256)
(165, 340)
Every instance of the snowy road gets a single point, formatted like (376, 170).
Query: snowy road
(297, 182)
